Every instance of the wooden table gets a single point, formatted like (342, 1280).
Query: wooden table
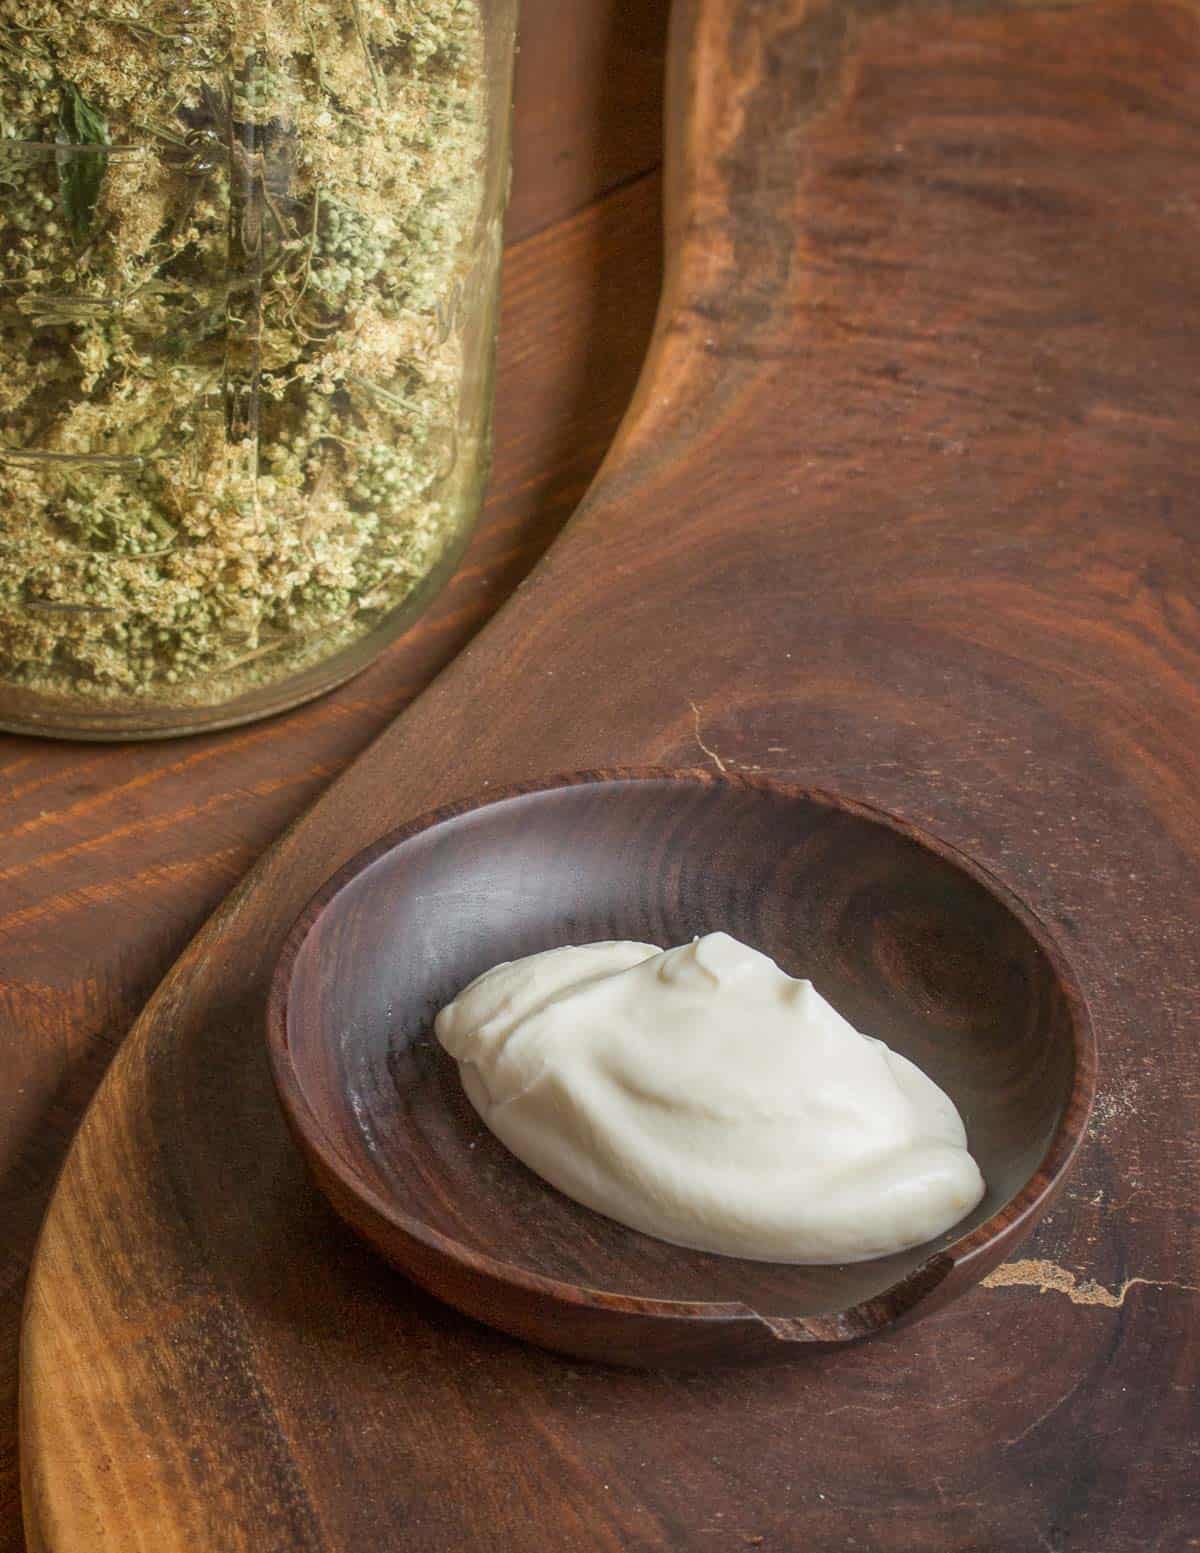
(941, 535)
(110, 858)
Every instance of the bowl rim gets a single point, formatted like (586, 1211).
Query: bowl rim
(1024, 1205)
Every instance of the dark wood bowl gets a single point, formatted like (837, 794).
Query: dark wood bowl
(911, 942)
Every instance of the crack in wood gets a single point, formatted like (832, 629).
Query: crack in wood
(1049, 1278)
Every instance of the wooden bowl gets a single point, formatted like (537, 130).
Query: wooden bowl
(911, 942)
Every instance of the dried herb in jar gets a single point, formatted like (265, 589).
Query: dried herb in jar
(229, 385)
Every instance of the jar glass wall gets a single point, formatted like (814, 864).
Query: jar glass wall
(249, 259)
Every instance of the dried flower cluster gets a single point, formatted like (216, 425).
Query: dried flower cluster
(229, 369)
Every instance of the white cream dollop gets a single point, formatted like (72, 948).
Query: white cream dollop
(702, 1095)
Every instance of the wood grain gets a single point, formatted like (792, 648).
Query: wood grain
(905, 507)
(903, 936)
(147, 839)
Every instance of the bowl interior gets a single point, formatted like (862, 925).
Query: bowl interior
(906, 944)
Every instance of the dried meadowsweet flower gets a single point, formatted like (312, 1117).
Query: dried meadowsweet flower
(229, 385)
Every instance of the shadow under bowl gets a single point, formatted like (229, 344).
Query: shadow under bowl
(909, 940)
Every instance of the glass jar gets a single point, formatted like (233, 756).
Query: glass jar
(249, 260)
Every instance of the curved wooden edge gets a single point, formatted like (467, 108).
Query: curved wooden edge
(714, 66)
(1004, 679)
(986, 1244)
(856, 1321)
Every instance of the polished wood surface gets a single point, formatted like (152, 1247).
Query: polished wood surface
(905, 506)
(111, 858)
(903, 936)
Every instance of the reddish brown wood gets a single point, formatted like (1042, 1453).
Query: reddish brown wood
(903, 935)
(146, 840)
(589, 109)
(905, 507)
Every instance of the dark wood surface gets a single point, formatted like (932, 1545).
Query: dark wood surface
(902, 935)
(111, 858)
(906, 506)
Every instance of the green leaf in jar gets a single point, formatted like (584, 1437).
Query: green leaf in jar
(80, 177)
